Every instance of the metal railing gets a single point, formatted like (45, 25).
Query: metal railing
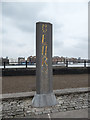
(27, 64)
(84, 63)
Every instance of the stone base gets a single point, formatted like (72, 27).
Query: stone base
(44, 100)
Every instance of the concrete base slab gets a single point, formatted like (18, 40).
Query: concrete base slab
(44, 100)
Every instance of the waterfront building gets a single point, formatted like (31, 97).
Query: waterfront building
(21, 60)
(4, 60)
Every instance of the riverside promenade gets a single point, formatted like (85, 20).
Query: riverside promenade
(72, 103)
(71, 89)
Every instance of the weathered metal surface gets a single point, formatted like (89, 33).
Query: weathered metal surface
(44, 58)
(44, 83)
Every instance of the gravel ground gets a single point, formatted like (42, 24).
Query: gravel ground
(22, 107)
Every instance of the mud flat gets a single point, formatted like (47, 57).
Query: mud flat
(12, 84)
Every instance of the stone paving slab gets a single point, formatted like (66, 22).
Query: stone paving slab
(82, 113)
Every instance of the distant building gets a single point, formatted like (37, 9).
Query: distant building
(13, 60)
(4, 60)
(56, 59)
(21, 60)
(31, 59)
(63, 59)
(74, 60)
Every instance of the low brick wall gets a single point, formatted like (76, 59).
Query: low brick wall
(56, 71)
(20, 105)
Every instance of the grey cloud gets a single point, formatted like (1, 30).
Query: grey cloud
(4, 31)
(58, 43)
(7, 41)
(82, 45)
(58, 27)
(21, 45)
(24, 15)
(20, 11)
(26, 27)
(82, 42)
(22, 19)
(80, 38)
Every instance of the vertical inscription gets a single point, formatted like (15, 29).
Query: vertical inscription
(44, 48)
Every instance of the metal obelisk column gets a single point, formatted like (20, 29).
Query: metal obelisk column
(44, 87)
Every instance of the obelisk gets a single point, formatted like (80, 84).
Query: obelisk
(44, 82)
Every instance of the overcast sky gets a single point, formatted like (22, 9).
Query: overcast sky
(70, 28)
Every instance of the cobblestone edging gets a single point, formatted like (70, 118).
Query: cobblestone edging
(21, 107)
(56, 92)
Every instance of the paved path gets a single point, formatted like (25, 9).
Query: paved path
(71, 114)
(82, 113)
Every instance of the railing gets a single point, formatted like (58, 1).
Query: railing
(84, 63)
(16, 64)
(28, 64)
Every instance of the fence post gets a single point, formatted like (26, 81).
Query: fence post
(66, 63)
(26, 63)
(84, 63)
(4, 65)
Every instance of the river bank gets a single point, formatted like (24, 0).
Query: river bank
(12, 84)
